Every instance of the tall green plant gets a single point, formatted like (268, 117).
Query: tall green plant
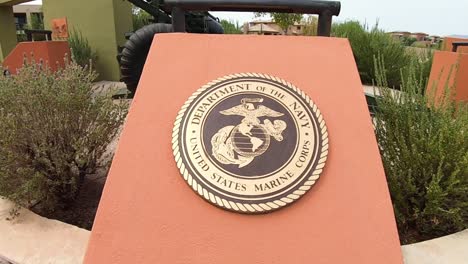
(424, 147)
(362, 50)
(140, 18)
(420, 63)
(369, 42)
(37, 21)
(231, 28)
(310, 26)
(408, 41)
(82, 53)
(54, 129)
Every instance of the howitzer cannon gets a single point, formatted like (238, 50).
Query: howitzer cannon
(192, 16)
(134, 53)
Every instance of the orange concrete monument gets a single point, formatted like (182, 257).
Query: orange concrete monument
(165, 203)
(52, 53)
(449, 70)
(448, 44)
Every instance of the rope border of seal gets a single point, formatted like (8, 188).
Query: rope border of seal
(251, 207)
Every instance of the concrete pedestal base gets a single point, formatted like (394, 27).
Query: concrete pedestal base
(148, 214)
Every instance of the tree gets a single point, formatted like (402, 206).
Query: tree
(230, 27)
(140, 18)
(408, 41)
(310, 26)
(284, 20)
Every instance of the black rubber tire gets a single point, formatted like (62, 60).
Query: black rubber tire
(214, 27)
(135, 51)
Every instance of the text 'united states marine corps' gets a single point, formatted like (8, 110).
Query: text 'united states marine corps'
(250, 143)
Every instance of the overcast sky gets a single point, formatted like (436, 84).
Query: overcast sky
(434, 17)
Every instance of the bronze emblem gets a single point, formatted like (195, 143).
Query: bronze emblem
(250, 143)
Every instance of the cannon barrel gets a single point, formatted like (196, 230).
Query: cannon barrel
(152, 10)
(284, 6)
(325, 9)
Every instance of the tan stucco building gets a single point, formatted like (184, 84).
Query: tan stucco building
(269, 27)
(23, 14)
(103, 23)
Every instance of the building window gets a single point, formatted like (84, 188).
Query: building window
(20, 20)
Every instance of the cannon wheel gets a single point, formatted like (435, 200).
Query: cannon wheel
(214, 27)
(136, 50)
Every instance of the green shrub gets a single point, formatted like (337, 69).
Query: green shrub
(420, 44)
(230, 27)
(53, 131)
(424, 147)
(21, 37)
(419, 65)
(368, 43)
(37, 21)
(359, 39)
(408, 41)
(82, 52)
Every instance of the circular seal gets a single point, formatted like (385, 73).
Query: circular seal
(250, 143)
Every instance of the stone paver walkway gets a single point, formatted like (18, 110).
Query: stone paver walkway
(31, 238)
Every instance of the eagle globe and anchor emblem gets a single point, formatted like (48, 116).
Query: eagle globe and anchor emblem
(250, 143)
(242, 143)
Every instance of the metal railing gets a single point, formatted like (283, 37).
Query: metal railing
(30, 33)
(325, 9)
